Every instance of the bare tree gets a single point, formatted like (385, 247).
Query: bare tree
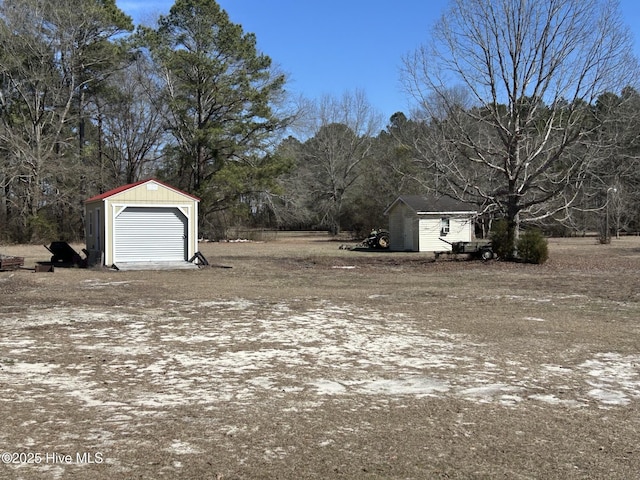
(531, 68)
(611, 193)
(342, 133)
(31, 129)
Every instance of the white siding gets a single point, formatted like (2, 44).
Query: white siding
(460, 230)
(150, 234)
(430, 233)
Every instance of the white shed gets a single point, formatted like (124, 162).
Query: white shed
(426, 223)
(142, 223)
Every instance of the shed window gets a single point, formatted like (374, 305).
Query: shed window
(444, 226)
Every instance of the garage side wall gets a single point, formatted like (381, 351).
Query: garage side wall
(94, 226)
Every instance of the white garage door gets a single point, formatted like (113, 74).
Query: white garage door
(150, 234)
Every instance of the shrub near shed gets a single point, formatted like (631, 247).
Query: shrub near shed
(533, 247)
(501, 239)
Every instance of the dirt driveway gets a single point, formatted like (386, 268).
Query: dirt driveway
(307, 361)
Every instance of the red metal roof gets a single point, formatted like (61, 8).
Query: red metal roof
(122, 188)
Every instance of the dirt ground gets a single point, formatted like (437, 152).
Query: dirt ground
(306, 361)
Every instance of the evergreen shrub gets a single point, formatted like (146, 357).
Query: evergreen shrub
(533, 247)
(502, 242)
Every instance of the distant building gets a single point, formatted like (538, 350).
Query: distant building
(426, 223)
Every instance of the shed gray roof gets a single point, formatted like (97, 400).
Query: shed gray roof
(433, 204)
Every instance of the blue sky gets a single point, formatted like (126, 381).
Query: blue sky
(333, 46)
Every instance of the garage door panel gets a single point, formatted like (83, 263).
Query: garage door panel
(150, 234)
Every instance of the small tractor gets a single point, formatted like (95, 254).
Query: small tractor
(378, 238)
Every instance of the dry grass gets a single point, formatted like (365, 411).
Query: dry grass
(307, 361)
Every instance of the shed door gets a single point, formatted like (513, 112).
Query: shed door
(408, 233)
(150, 234)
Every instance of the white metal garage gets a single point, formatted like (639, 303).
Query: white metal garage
(147, 222)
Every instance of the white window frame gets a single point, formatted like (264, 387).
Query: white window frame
(445, 226)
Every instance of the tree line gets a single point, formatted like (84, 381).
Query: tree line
(526, 109)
